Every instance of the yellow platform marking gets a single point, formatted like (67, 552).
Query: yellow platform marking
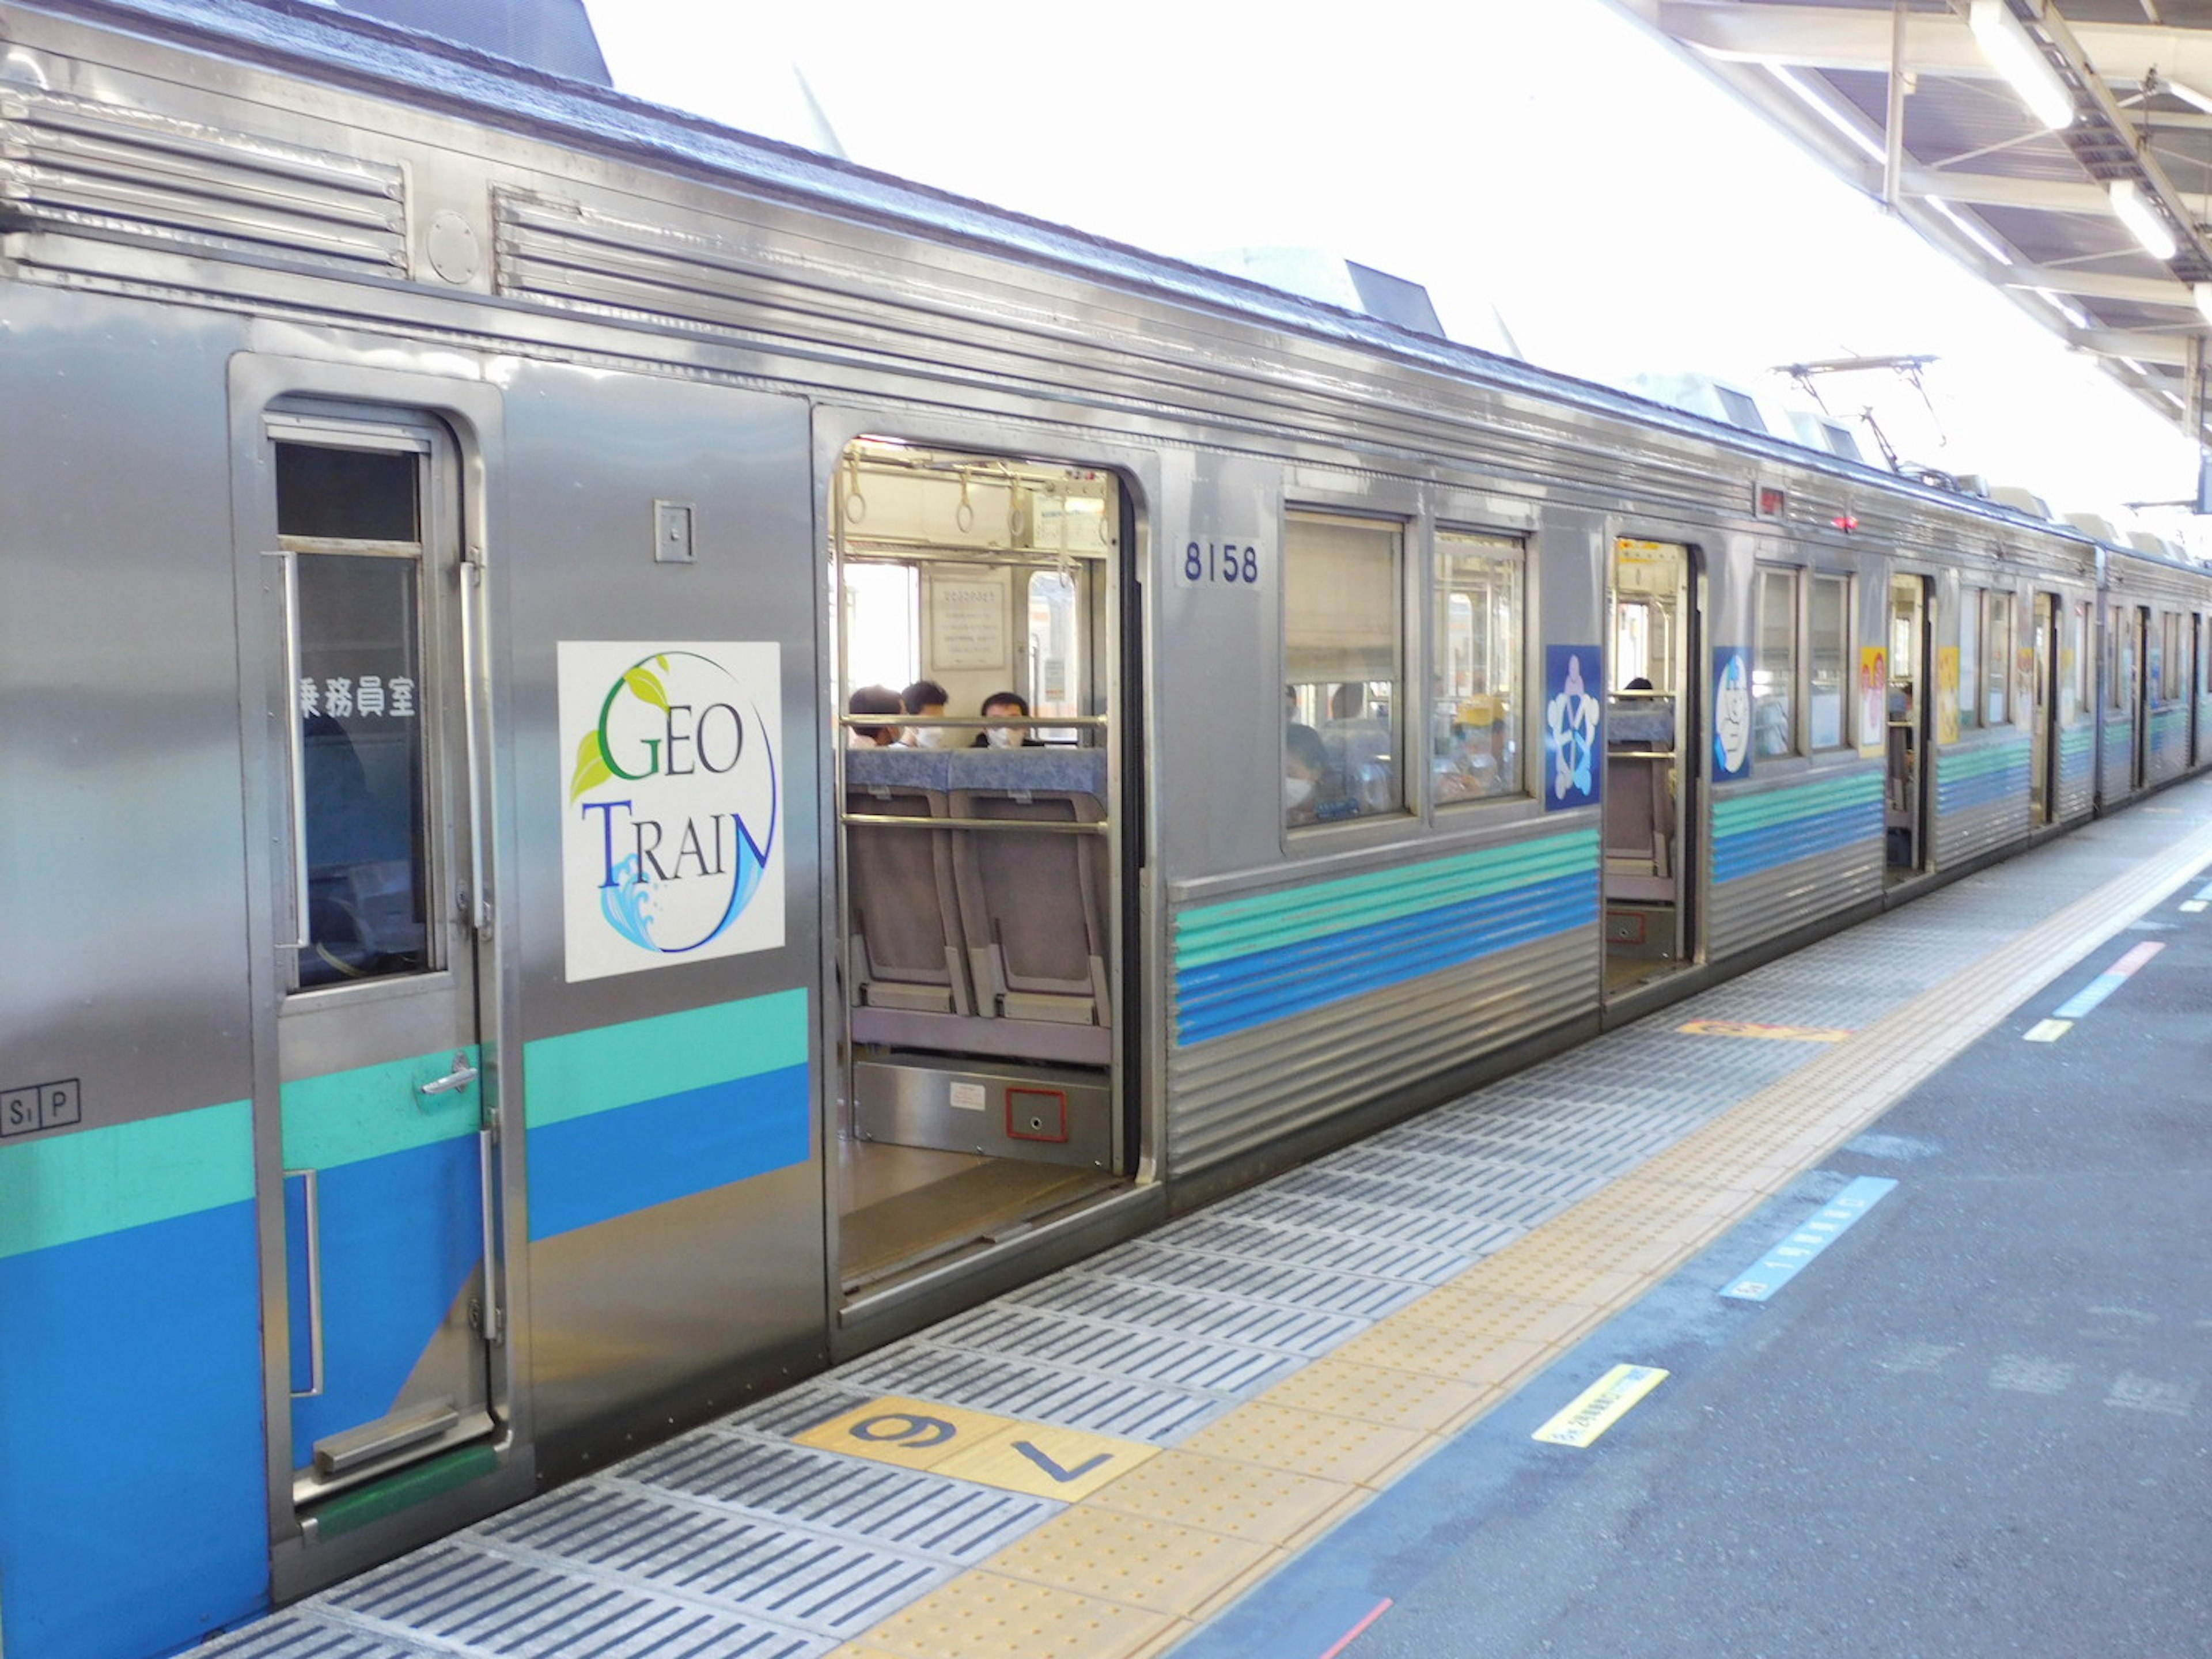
(1041, 1459)
(914, 1434)
(2049, 1030)
(1312, 1443)
(1219, 1494)
(1438, 1406)
(1137, 1561)
(987, 1615)
(1601, 1406)
(1466, 1356)
(1475, 1306)
(1739, 1028)
(1046, 1461)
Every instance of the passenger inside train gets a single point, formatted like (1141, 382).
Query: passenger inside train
(926, 699)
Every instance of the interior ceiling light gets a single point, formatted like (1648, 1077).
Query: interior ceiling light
(2016, 56)
(2141, 219)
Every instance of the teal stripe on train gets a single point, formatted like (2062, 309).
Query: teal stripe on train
(2077, 748)
(68, 1188)
(1250, 962)
(1761, 831)
(349, 1117)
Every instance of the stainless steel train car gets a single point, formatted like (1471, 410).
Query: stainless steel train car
(491, 979)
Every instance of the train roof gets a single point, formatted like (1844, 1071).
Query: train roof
(347, 48)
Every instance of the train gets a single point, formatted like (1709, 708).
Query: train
(490, 981)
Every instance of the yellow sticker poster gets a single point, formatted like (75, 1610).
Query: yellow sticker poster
(1874, 699)
(1947, 695)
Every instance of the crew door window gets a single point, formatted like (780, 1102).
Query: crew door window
(1830, 627)
(1342, 648)
(1968, 690)
(1996, 674)
(349, 524)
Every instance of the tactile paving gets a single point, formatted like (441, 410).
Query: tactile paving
(988, 1615)
(1378, 1393)
(1282, 1437)
(1220, 1494)
(1139, 1561)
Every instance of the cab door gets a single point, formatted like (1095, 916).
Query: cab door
(388, 1153)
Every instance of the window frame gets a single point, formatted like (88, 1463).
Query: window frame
(1501, 547)
(1849, 583)
(1409, 531)
(1793, 702)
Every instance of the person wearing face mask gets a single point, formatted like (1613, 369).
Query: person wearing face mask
(926, 698)
(1004, 703)
(872, 699)
(1313, 792)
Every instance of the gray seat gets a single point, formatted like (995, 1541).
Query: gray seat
(1033, 906)
(908, 952)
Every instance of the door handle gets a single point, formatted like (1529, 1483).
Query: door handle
(460, 1077)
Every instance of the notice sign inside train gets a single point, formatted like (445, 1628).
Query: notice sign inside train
(671, 798)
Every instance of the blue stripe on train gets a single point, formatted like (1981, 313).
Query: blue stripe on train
(593, 1168)
(1962, 795)
(1773, 844)
(146, 1527)
(1237, 996)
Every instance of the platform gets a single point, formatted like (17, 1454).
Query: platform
(1301, 1422)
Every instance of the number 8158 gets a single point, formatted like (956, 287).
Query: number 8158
(1221, 562)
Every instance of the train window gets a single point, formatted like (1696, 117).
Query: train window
(1774, 663)
(882, 607)
(2075, 665)
(1474, 713)
(2171, 663)
(1342, 647)
(349, 520)
(1967, 692)
(1830, 652)
(1055, 649)
(1997, 660)
(346, 495)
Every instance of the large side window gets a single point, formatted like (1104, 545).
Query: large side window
(1830, 654)
(1996, 658)
(2172, 664)
(1971, 603)
(1475, 712)
(1342, 648)
(2076, 665)
(1774, 664)
(351, 521)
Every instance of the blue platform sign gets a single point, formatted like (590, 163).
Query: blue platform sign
(1731, 713)
(1573, 722)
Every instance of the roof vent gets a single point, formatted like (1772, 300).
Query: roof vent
(1350, 286)
(2095, 525)
(1819, 432)
(1701, 394)
(2019, 500)
(552, 35)
(2143, 541)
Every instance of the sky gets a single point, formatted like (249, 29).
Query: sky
(1548, 158)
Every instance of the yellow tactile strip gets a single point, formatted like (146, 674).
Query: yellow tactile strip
(1128, 1571)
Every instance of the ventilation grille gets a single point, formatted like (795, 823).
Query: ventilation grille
(68, 164)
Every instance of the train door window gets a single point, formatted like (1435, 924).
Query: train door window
(2173, 662)
(349, 521)
(980, 880)
(1997, 659)
(1774, 663)
(1829, 651)
(1342, 648)
(1972, 602)
(1475, 712)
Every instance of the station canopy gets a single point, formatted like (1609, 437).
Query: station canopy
(2061, 149)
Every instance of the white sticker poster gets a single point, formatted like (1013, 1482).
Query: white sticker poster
(968, 618)
(671, 803)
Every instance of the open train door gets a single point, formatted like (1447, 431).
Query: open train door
(1907, 804)
(1654, 714)
(2042, 777)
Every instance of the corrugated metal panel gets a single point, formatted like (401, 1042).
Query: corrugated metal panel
(1784, 858)
(1248, 963)
(2077, 770)
(68, 164)
(1236, 1093)
(1981, 797)
(2116, 763)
